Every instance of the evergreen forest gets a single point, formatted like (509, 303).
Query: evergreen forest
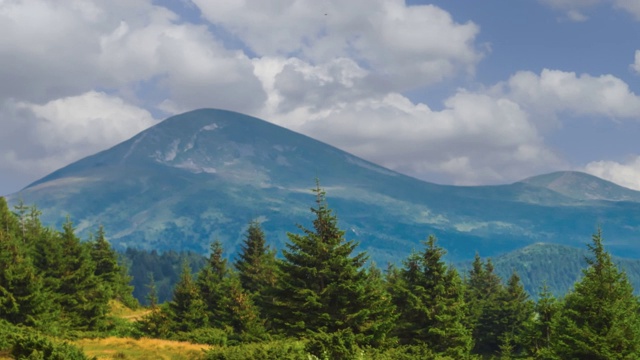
(318, 298)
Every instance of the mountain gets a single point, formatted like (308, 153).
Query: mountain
(581, 186)
(557, 266)
(205, 174)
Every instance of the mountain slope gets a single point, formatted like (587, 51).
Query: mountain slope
(205, 174)
(557, 266)
(581, 186)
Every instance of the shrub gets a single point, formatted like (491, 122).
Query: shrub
(273, 350)
(209, 336)
(338, 345)
(33, 346)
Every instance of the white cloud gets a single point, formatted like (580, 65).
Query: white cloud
(406, 46)
(636, 65)
(58, 49)
(64, 130)
(555, 92)
(630, 6)
(574, 9)
(576, 16)
(475, 139)
(626, 174)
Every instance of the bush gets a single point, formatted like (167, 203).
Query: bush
(273, 350)
(121, 328)
(338, 345)
(207, 336)
(37, 347)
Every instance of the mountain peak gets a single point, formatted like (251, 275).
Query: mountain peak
(583, 186)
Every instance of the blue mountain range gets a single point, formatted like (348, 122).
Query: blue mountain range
(205, 174)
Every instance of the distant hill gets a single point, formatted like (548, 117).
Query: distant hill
(205, 174)
(581, 186)
(557, 266)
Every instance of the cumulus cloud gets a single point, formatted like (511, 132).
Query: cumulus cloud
(555, 92)
(636, 65)
(406, 46)
(80, 76)
(630, 6)
(58, 55)
(64, 130)
(58, 49)
(626, 174)
(475, 139)
(575, 10)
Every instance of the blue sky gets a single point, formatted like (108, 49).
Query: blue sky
(458, 92)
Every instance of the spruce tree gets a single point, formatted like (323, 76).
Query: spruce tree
(22, 297)
(322, 287)
(256, 267)
(213, 290)
(187, 310)
(599, 319)
(227, 304)
(540, 331)
(482, 295)
(514, 314)
(113, 276)
(429, 299)
(70, 277)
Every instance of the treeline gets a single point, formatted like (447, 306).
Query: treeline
(53, 283)
(321, 293)
(164, 267)
(320, 300)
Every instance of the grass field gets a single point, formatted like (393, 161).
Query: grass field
(143, 349)
(117, 309)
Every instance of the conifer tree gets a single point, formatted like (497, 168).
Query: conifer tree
(322, 287)
(483, 290)
(69, 274)
(599, 319)
(227, 304)
(429, 299)
(211, 285)
(540, 330)
(113, 275)
(187, 309)
(22, 297)
(515, 311)
(256, 266)
(8, 221)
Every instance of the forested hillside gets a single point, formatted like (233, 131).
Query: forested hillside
(319, 300)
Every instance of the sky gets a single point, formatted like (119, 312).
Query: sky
(460, 92)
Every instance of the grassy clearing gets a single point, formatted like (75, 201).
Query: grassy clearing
(117, 309)
(143, 349)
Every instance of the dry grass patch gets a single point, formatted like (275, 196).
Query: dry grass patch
(117, 309)
(143, 349)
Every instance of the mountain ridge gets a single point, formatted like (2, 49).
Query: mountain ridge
(205, 174)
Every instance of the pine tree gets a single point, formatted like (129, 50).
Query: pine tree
(514, 314)
(83, 297)
(213, 290)
(540, 330)
(483, 290)
(22, 297)
(113, 276)
(429, 298)
(187, 309)
(8, 221)
(322, 287)
(69, 278)
(256, 267)
(599, 319)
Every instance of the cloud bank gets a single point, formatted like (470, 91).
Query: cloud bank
(81, 76)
